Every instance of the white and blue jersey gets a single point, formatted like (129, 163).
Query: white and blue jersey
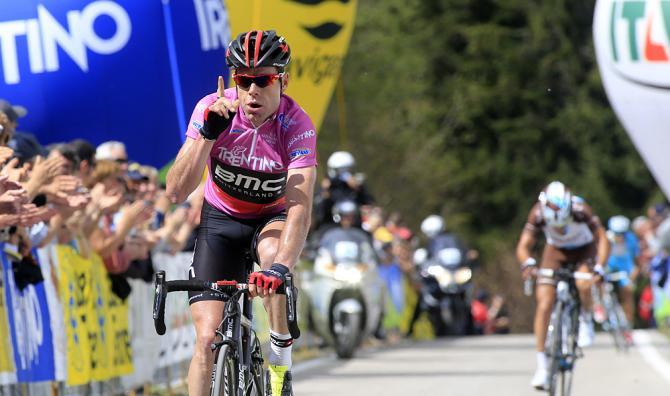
(623, 254)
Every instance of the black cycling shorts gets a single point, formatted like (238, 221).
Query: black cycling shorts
(224, 244)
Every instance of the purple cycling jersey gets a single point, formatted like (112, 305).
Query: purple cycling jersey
(248, 166)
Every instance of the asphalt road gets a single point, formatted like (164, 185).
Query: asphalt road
(490, 365)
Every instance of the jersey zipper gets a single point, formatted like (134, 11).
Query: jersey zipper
(253, 143)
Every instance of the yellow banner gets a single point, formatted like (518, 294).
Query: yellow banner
(6, 351)
(318, 32)
(74, 287)
(96, 320)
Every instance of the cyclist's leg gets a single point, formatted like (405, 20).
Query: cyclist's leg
(585, 258)
(266, 249)
(626, 298)
(279, 358)
(206, 317)
(545, 294)
(625, 287)
(218, 255)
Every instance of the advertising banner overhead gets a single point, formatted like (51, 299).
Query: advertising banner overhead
(318, 31)
(632, 41)
(102, 70)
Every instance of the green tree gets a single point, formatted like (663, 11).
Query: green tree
(468, 107)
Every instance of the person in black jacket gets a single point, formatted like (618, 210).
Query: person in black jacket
(340, 184)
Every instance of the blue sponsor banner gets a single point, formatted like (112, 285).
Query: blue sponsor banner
(102, 70)
(30, 327)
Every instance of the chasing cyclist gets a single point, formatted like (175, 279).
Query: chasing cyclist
(573, 235)
(259, 147)
(623, 257)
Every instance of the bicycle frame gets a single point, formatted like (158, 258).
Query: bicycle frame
(616, 323)
(561, 342)
(235, 329)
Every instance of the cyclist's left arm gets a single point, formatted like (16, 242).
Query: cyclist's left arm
(299, 195)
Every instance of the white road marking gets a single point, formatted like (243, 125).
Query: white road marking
(650, 354)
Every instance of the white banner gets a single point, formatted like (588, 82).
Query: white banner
(179, 340)
(48, 261)
(632, 41)
(144, 340)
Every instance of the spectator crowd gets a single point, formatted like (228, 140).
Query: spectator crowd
(91, 198)
(99, 202)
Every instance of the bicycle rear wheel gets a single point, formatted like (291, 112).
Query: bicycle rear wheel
(553, 346)
(225, 374)
(615, 326)
(623, 327)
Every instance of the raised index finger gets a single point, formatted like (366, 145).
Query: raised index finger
(220, 88)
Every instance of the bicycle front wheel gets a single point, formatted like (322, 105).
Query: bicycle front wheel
(570, 330)
(553, 346)
(225, 373)
(255, 385)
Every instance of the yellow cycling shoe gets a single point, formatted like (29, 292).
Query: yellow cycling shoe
(278, 381)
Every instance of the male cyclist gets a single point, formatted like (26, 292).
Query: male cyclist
(573, 235)
(260, 150)
(623, 257)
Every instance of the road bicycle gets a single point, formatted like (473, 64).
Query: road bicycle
(561, 343)
(238, 367)
(615, 322)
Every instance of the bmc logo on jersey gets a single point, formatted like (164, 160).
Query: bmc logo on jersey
(249, 182)
(639, 41)
(247, 185)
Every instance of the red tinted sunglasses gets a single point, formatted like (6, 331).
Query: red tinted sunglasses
(244, 81)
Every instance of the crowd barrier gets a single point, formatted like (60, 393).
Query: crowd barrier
(71, 335)
(71, 331)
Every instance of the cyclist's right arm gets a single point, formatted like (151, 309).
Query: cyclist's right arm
(186, 172)
(525, 246)
(527, 240)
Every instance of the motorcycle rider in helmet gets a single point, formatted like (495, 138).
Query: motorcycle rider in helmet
(434, 228)
(340, 184)
(346, 216)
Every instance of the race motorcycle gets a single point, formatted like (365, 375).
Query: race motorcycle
(446, 290)
(345, 293)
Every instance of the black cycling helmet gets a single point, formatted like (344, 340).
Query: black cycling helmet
(258, 48)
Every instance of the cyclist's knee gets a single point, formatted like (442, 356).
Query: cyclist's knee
(204, 337)
(583, 286)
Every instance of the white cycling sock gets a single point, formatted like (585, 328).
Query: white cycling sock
(280, 349)
(541, 360)
(585, 316)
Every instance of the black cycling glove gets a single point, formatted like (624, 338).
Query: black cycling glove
(270, 278)
(214, 124)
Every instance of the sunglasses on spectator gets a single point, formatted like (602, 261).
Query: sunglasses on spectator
(121, 160)
(244, 81)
